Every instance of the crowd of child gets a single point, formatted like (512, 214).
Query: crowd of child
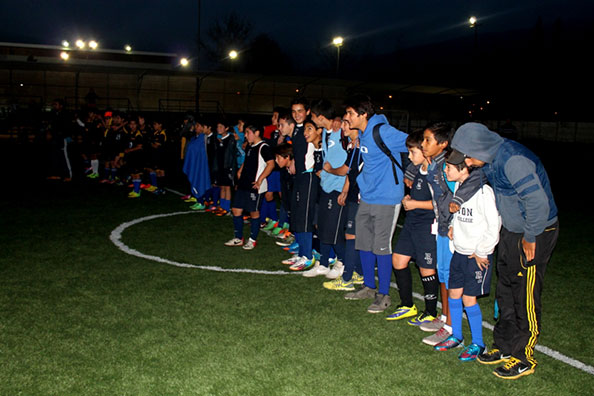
(340, 180)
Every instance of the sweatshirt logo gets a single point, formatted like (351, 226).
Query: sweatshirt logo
(331, 143)
(364, 149)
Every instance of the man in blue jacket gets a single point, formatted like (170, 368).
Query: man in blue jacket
(528, 236)
(381, 188)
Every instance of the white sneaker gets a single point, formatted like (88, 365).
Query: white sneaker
(292, 260)
(316, 270)
(250, 244)
(336, 271)
(234, 242)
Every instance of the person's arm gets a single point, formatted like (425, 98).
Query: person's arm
(410, 204)
(343, 194)
(269, 168)
(340, 171)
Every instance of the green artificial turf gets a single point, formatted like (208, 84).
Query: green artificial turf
(78, 316)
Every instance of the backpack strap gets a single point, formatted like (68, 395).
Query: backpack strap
(380, 143)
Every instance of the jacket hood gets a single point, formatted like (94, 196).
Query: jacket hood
(477, 141)
(376, 119)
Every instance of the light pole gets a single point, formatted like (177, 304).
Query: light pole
(338, 41)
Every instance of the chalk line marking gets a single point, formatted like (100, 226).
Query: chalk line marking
(116, 239)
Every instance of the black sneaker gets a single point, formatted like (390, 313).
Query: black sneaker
(492, 356)
(513, 369)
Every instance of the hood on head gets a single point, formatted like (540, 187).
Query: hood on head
(477, 141)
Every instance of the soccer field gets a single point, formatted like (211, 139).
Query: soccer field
(99, 298)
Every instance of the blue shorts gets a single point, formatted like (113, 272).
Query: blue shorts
(248, 200)
(466, 274)
(444, 256)
(417, 242)
(274, 182)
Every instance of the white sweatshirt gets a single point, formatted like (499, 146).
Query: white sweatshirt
(476, 225)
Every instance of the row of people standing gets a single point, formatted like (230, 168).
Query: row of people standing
(469, 195)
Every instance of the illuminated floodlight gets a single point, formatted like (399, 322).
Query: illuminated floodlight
(233, 54)
(338, 41)
(64, 55)
(472, 20)
(184, 62)
(127, 48)
(93, 44)
(65, 44)
(80, 44)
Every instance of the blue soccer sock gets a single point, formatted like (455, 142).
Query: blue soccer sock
(153, 177)
(475, 321)
(107, 172)
(238, 226)
(136, 184)
(455, 305)
(225, 204)
(254, 228)
(305, 244)
(325, 253)
(114, 173)
(283, 215)
(339, 249)
(368, 266)
(384, 272)
(216, 195)
(350, 256)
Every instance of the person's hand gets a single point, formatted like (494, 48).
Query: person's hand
(407, 202)
(451, 233)
(408, 183)
(529, 249)
(454, 207)
(342, 198)
(327, 167)
(291, 168)
(482, 263)
(256, 184)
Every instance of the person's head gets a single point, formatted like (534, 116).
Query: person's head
(117, 118)
(351, 133)
(283, 154)
(286, 124)
(415, 150)
(312, 132)
(252, 134)
(436, 138)
(132, 124)
(477, 142)
(198, 128)
(276, 112)
(456, 169)
(58, 104)
(300, 109)
(322, 113)
(358, 109)
(336, 123)
(222, 128)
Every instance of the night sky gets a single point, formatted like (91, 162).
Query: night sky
(298, 26)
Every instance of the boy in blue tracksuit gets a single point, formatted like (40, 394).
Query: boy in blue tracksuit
(381, 196)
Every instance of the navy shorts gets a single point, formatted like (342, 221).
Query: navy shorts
(224, 177)
(417, 242)
(274, 182)
(303, 202)
(331, 218)
(248, 200)
(465, 274)
(351, 214)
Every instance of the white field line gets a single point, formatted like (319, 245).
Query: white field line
(116, 239)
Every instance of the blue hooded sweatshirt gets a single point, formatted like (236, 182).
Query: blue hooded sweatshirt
(376, 180)
(521, 184)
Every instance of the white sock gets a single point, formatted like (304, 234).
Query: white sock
(95, 166)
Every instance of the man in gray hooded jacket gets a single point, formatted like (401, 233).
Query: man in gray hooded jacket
(528, 237)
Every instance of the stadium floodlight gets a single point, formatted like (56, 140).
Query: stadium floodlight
(93, 44)
(184, 62)
(338, 41)
(233, 54)
(65, 44)
(80, 44)
(64, 55)
(128, 48)
(472, 20)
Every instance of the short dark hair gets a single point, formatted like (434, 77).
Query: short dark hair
(442, 131)
(415, 139)
(302, 100)
(253, 129)
(323, 107)
(284, 150)
(287, 117)
(361, 103)
(280, 110)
